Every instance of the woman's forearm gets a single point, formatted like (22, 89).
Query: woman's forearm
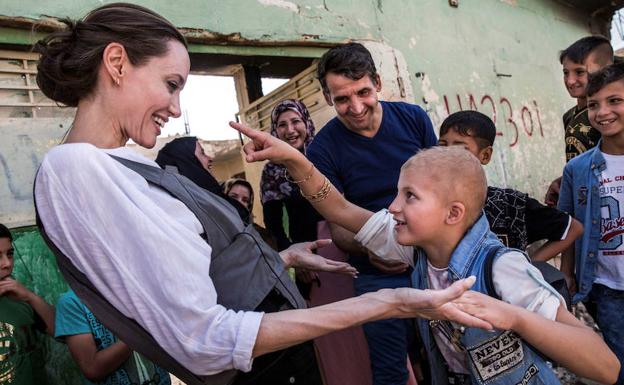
(283, 329)
(280, 330)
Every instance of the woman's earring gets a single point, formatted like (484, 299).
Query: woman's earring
(117, 81)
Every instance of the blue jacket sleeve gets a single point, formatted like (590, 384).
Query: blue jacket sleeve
(566, 192)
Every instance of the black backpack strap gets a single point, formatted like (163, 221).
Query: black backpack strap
(223, 221)
(487, 269)
(126, 329)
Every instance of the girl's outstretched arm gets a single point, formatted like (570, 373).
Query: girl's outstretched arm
(328, 201)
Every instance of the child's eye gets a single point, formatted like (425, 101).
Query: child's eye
(615, 100)
(592, 106)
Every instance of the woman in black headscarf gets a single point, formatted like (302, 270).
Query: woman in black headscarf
(188, 156)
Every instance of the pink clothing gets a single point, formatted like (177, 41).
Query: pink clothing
(343, 355)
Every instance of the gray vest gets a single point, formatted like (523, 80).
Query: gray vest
(244, 269)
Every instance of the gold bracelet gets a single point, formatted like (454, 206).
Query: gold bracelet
(321, 194)
(307, 178)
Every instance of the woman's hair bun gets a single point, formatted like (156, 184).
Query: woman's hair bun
(70, 58)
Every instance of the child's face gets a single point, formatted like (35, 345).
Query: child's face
(417, 208)
(6, 258)
(574, 78)
(606, 109)
(454, 138)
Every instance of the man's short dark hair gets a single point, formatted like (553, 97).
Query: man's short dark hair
(473, 124)
(598, 80)
(580, 50)
(351, 60)
(5, 232)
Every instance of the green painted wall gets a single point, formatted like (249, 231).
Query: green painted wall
(35, 268)
(499, 56)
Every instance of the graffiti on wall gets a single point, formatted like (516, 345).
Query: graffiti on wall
(25, 141)
(519, 119)
(24, 157)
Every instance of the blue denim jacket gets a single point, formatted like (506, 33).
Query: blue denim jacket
(498, 357)
(580, 197)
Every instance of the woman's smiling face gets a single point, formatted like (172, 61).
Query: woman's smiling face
(150, 94)
(291, 129)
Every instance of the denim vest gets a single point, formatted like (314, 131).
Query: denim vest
(498, 357)
(580, 197)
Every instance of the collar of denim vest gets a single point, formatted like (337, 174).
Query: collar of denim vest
(468, 248)
(598, 163)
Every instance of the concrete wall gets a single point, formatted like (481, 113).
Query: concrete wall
(497, 56)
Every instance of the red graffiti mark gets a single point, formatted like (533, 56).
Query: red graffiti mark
(524, 111)
(488, 97)
(510, 120)
(539, 120)
(471, 102)
(525, 114)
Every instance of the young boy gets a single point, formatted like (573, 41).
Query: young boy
(22, 313)
(593, 191)
(101, 358)
(514, 217)
(438, 209)
(584, 56)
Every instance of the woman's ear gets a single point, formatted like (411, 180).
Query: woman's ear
(114, 58)
(456, 213)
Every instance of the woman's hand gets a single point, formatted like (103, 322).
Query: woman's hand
(500, 314)
(263, 146)
(301, 255)
(440, 304)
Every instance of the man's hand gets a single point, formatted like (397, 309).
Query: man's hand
(388, 267)
(552, 195)
(14, 290)
(301, 255)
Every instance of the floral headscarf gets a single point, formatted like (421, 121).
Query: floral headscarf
(273, 184)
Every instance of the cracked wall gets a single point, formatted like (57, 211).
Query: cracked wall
(496, 56)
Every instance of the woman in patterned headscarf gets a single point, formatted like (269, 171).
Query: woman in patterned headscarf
(290, 122)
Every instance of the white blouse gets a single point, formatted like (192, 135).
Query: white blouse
(141, 249)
